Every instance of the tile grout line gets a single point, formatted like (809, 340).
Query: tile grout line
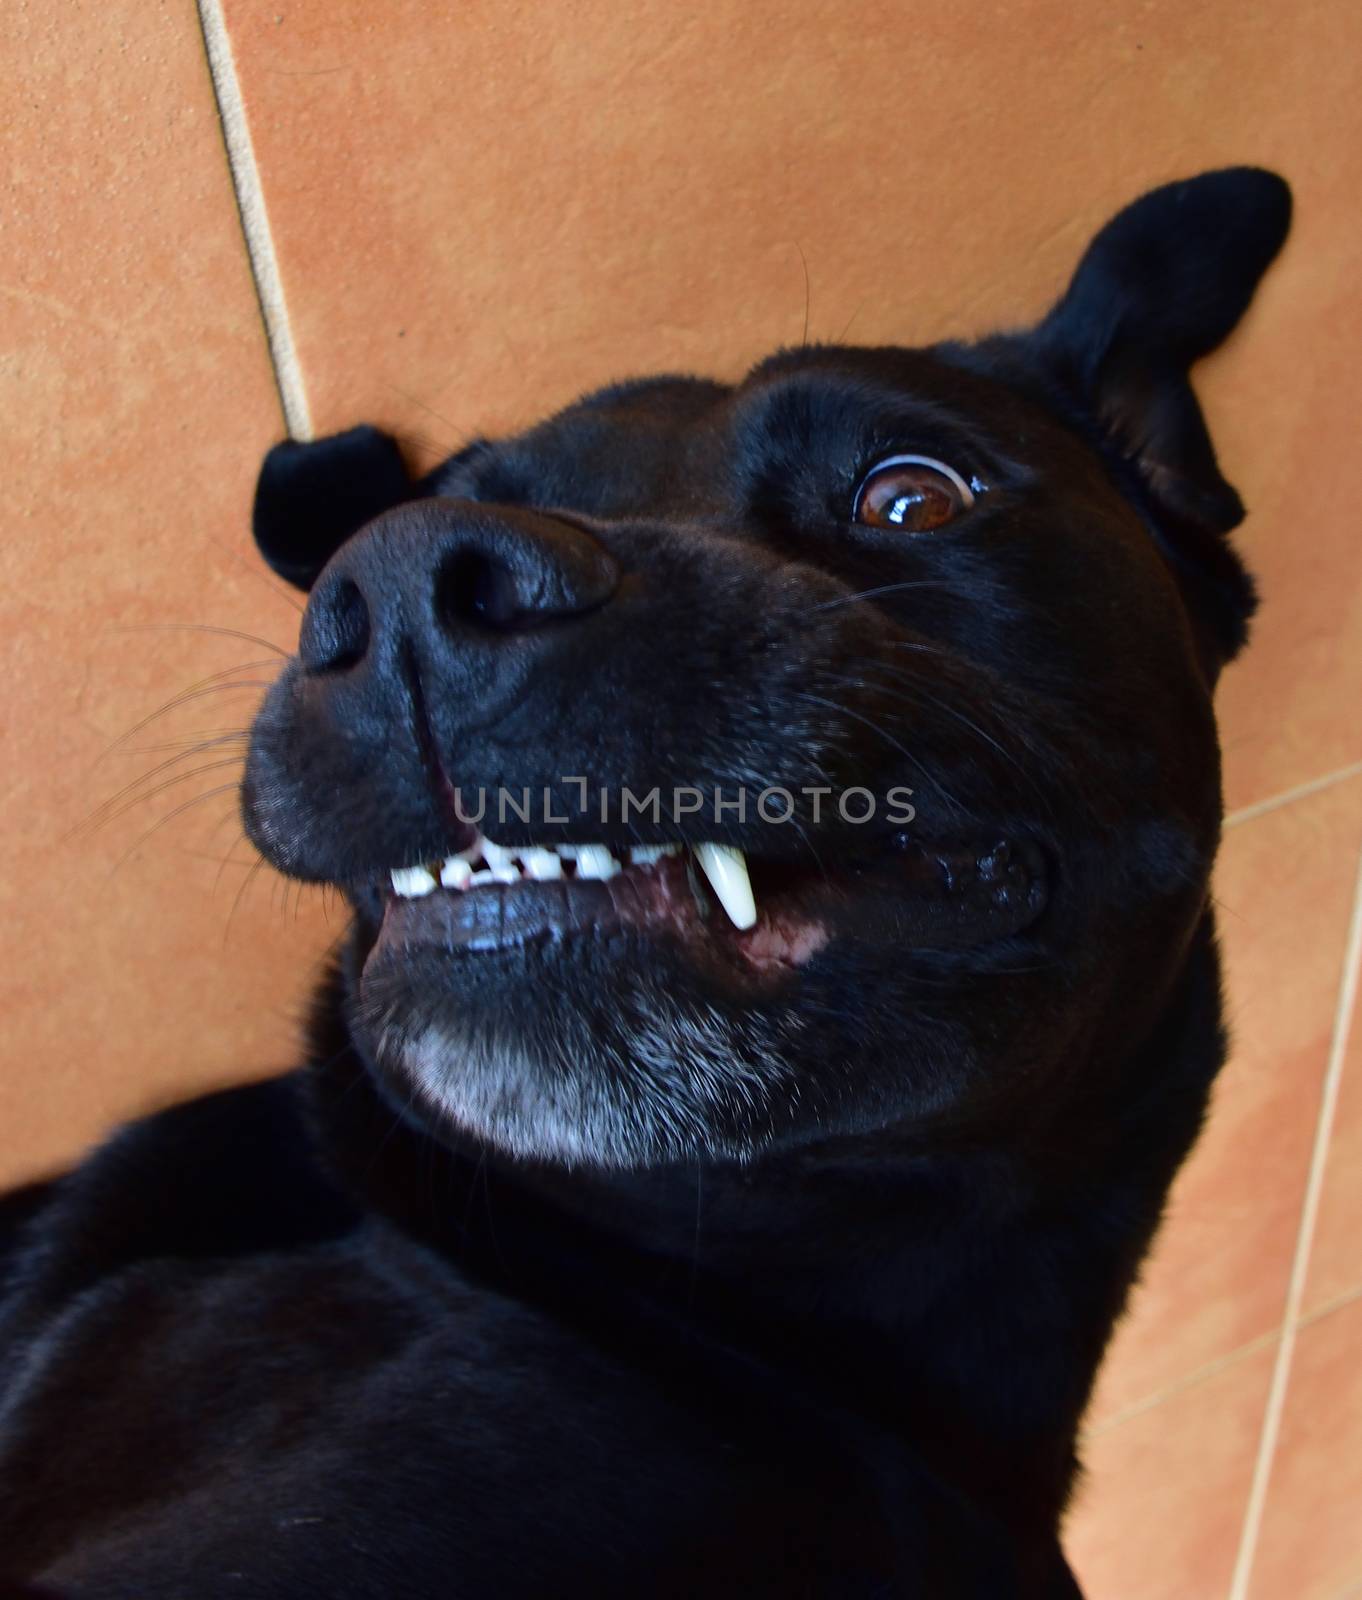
(255, 226)
(1189, 1380)
(1295, 1294)
(1300, 792)
(1214, 1367)
(1328, 1307)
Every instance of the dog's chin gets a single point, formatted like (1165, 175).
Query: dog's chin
(628, 1023)
(608, 1050)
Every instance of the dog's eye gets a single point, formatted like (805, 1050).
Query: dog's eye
(913, 493)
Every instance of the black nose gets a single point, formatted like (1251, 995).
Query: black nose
(451, 579)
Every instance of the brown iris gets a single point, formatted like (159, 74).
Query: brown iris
(913, 495)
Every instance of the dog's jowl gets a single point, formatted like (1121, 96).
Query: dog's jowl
(777, 819)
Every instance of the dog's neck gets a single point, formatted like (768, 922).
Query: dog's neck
(952, 1296)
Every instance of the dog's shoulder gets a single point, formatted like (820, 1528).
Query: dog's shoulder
(205, 1250)
(224, 1175)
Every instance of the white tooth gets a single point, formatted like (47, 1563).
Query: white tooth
(595, 861)
(643, 855)
(474, 850)
(412, 882)
(541, 864)
(494, 875)
(455, 873)
(726, 869)
(495, 857)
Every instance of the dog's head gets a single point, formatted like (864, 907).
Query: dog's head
(718, 766)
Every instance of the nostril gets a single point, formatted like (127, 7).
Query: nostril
(335, 632)
(474, 587)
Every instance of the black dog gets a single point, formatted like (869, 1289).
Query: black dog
(747, 1219)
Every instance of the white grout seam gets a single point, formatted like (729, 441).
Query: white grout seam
(1327, 1308)
(1211, 1369)
(1259, 807)
(255, 225)
(1189, 1380)
(1295, 1293)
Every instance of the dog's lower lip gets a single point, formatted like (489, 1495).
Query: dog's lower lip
(662, 899)
(498, 914)
(919, 897)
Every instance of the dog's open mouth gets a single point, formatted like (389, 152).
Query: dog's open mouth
(760, 914)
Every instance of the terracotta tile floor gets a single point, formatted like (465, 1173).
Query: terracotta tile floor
(1229, 1415)
(459, 215)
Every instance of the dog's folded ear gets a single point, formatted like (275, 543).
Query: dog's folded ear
(311, 497)
(1158, 288)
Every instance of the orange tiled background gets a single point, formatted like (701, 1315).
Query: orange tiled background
(477, 210)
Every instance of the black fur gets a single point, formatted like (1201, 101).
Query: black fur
(309, 493)
(589, 1265)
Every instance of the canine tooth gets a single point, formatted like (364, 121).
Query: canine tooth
(541, 864)
(595, 861)
(726, 869)
(412, 882)
(455, 873)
